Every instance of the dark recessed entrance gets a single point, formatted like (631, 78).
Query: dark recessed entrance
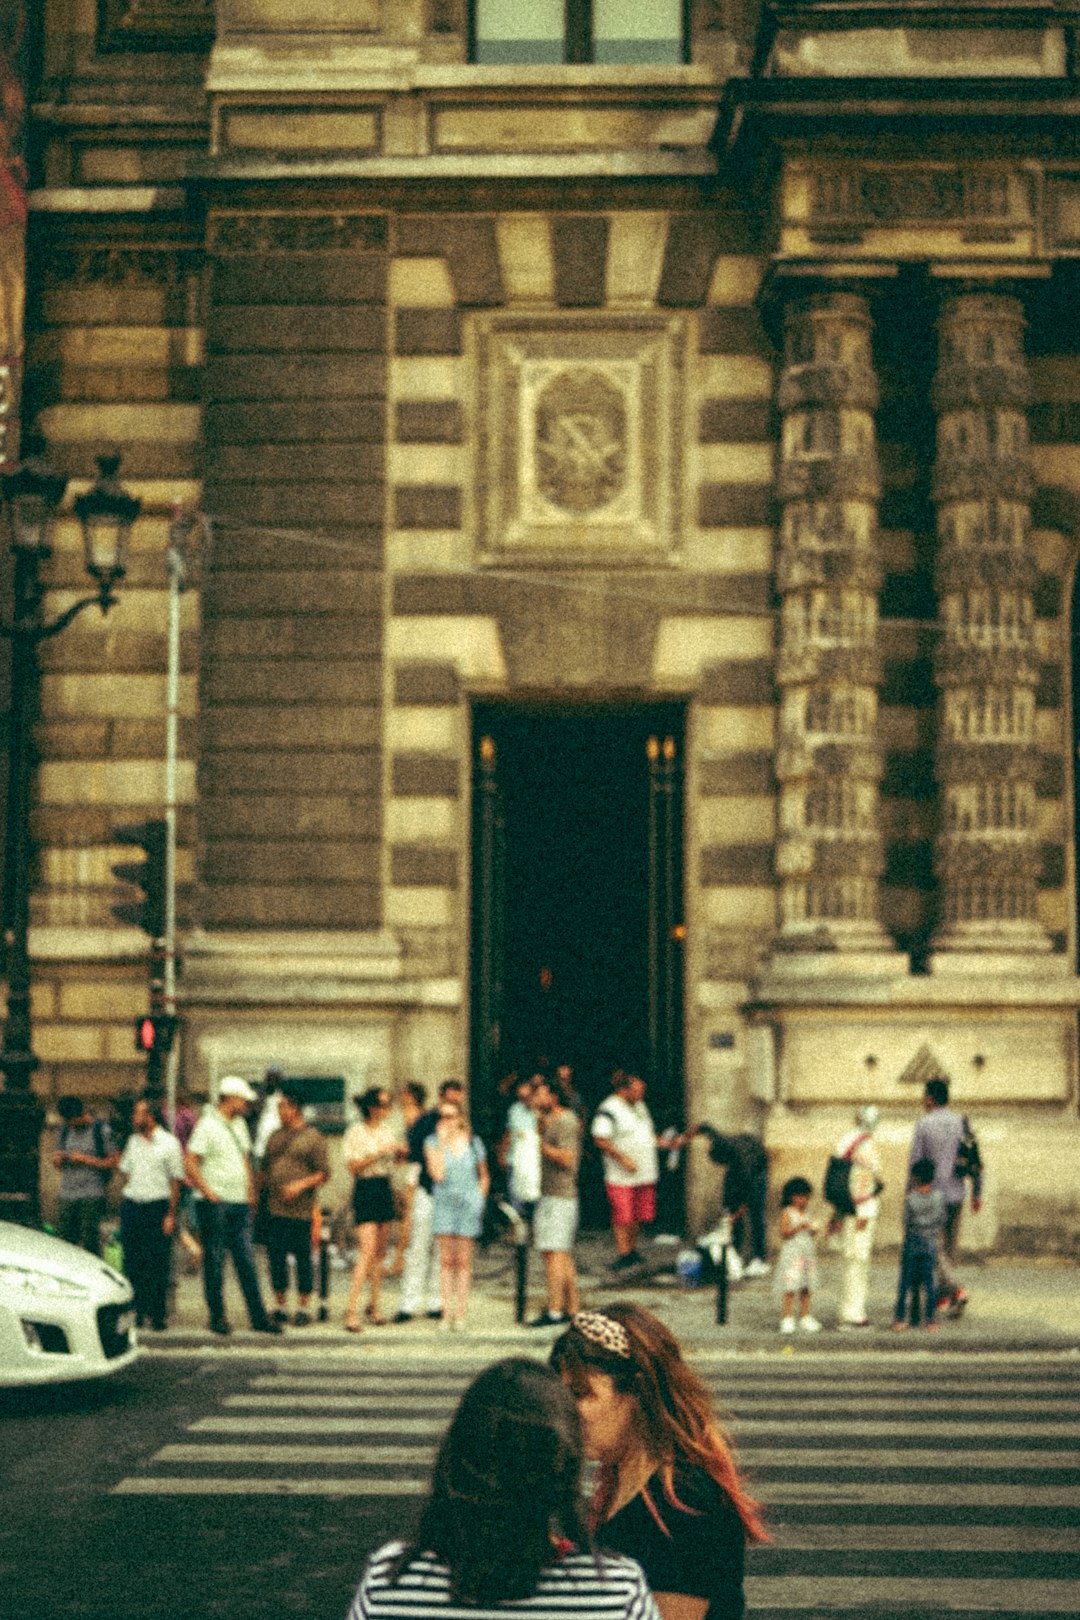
(577, 921)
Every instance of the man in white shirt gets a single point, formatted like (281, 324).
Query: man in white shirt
(218, 1164)
(857, 1227)
(623, 1130)
(153, 1169)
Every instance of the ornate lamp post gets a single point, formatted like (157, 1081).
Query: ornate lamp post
(33, 494)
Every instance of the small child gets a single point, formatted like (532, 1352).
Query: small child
(796, 1264)
(924, 1219)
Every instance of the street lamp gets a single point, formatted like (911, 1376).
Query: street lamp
(33, 494)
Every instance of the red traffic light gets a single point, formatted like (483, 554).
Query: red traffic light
(154, 1032)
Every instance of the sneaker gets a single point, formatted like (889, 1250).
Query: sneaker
(269, 1326)
(301, 1319)
(788, 1325)
(219, 1326)
(757, 1268)
(546, 1319)
(810, 1324)
(627, 1262)
(279, 1316)
(403, 1316)
(435, 1316)
(159, 1324)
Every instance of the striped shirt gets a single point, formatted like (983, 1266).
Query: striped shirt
(578, 1586)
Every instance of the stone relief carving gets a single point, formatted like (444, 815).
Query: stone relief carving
(580, 435)
(986, 855)
(114, 266)
(579, 440)
(911, 194)
(828, 764)
(265, 233)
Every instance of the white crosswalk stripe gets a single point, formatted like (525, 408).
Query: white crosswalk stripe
(894, 1485)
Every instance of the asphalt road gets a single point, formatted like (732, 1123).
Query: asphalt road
(241, 1486)
(71, 1547)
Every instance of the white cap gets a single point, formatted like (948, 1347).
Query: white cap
(867, 1116)
(233, 1086)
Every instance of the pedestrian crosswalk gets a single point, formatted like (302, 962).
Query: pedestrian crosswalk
(898, 1485)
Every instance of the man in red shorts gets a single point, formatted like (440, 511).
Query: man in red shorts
(623, 1130)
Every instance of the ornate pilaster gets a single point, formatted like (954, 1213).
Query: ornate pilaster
(987, 856)
(829, 849)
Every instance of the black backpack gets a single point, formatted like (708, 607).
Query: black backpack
(837, 1188)
(968, 1158)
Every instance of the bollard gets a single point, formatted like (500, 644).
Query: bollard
(518, 1232)
(324, 1268)
(722, 1287)
(521, 1263)
(723, 1233)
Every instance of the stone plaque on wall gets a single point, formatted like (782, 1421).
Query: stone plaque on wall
(580, 436)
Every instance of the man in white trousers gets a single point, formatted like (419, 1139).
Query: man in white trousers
(857, 1230)
(421, 1290)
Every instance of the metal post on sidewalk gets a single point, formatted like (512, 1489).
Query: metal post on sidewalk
(324, 1267)
(722, 1272)
(518, 1233)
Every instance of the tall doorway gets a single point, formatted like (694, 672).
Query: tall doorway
(577, 903)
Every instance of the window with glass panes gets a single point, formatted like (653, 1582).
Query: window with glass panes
(603, 31)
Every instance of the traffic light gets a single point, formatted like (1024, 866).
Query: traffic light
(147, 875)
(154, 1032)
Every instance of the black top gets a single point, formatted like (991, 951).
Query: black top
(705, 1553)
(744, 1158)
(415, 1137)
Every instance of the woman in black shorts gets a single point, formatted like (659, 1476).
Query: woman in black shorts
(370, 1149)
(668, 1492)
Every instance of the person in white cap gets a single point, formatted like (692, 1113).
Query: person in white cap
(857, 1227)
(218, 1165)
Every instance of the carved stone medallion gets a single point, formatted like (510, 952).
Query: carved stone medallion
(580, 435)
(580, 441)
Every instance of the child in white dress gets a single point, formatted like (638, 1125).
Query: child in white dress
(796, 1265)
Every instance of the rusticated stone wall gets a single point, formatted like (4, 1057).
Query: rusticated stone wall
(290, 770)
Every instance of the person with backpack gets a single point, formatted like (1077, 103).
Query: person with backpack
(856, 1217)
(945, 1137)
(86, 1156)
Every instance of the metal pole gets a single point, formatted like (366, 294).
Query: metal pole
(521, 1263)
(175, 565)
(722, 1287)
(21, 1114)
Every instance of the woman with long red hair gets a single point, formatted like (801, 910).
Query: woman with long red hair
(668, 1491)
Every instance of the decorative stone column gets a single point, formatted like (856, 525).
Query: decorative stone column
(987, 855)
(829, 848)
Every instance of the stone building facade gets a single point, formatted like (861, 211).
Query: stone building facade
(727, 362)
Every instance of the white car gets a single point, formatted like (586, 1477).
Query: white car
(64, 1314)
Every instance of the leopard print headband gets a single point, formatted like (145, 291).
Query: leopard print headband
(602, 1330)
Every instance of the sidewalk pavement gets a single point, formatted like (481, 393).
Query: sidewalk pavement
(1015, 1305)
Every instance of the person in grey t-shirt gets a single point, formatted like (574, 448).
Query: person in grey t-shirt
(924, 1218)
(555, 1218)
(86, 1157)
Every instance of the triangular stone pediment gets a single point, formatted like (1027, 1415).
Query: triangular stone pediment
(924, 1066)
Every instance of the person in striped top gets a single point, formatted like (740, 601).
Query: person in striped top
(504, 1529)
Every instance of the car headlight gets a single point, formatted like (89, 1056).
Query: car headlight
(41, 1283)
